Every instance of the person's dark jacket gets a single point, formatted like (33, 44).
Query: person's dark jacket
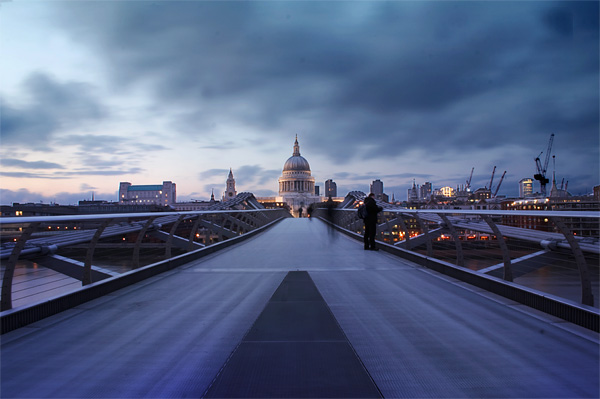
(372, 209)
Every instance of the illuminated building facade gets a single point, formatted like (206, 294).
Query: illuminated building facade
(525, 187)
(150, 194)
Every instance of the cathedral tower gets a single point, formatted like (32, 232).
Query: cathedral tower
(230, 190)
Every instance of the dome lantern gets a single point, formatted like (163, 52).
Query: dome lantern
(296, 163)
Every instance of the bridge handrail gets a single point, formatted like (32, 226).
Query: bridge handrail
(565, 214)
(8, 220)
(225, 224)
(489, 222)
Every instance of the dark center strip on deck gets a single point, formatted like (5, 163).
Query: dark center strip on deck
(295, 348)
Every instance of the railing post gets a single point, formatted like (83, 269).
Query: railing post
(508, 275)
(405, 230)
(587, 297)
(138, 242)
(460, 260)
(87, 267)
(171, 234)
(425, 231)
(193, 233)
(382, 227)
(9, 272)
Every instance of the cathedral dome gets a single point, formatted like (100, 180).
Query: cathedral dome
(296, 162)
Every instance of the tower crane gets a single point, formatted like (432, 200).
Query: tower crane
(541, 169)
(492, 179)
(499, 183)
(469, 181)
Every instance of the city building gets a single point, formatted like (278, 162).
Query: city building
(196, 205)
(230, 187)
(583, 227)
(377, 188)
(413, 193)
(482, 193)
(425, 191)
(330, 188)
(296, 184)
(164, 195)
(525, 187)
(446, 192)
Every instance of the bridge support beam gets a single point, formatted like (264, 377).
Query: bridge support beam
(87, 267)
(171, 234)
(253, 220)
(225, 233)
(178, 242)
(138, 242)
(9, 272)
(425, 231)
(508, 275)
(460, 259)
(406, 243)
(587, 297)
(191, 243)
(242, 226)
(73, 268)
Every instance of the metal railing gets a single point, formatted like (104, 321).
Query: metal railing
(558, 260)
(90, 248)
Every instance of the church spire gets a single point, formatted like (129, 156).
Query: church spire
(296, 148)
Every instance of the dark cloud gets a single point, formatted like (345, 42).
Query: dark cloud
(30, 175)
(11, 162)
(73, 173)
(363, 79)
(107, 154)
(108, 144)
(103, 172)
(53, 105)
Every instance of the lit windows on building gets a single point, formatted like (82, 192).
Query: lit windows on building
(447, 192)
(164, 194)
(525, 187)
(330, 188)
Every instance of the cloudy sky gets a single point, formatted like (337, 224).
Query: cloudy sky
(93, 93)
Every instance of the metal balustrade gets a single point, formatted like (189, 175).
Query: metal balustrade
(558, 262)
(73, 245)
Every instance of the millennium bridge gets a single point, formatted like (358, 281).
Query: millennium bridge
(249, 302)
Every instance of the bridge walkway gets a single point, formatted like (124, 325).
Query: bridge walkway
(416, 333)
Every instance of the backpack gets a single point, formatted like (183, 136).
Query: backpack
(362, 211)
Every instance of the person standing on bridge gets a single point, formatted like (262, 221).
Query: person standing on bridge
(371, 222)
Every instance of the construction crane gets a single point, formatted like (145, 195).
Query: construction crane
(541, 169)
(499, 184)
(492, 179)
(469, 181)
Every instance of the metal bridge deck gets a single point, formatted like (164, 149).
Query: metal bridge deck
(415, 333)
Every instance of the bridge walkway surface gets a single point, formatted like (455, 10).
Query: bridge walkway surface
(300, 311)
